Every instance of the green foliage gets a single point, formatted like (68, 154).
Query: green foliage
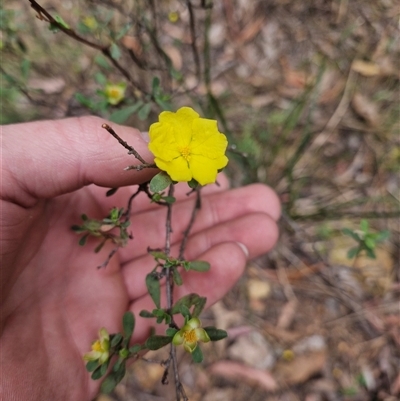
(367, 241)
(105, 229)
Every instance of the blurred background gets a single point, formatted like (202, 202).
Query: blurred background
(308, 96)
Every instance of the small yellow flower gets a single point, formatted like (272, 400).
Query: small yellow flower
(173, 16)
(115, 93)
(90, 22)
(188, 147)
(190, 334)
(100, 348)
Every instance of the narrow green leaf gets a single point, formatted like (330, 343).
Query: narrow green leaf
(116, 339)
(102, 61)
(82, 241)
(99, 247)
(25, 68)
(101, 370)
(199, 306)
(100, 78)
(153, 288)
(135, 349)
(170, 332)
(156, 342)
(158, 255)
(185, 311)
(370, 253)
(77, 229)
(113, 379)
(187, 300)
(351, 233)
(91, 366)
(197, 355)
(169, 199)
(215, 334)
(155, 84)
(111, 191)
(128, 323)
(84, 217)
(199, 265)
(115, 51)
(352, 253)
(369, 242)
(382, 236)
(193, 183)
(144, 111)
(121, 115)
(177, 276)
(145, 313)
(364, 225)
(160, 182)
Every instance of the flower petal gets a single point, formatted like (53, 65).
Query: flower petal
(193, 323)
(202, 335)
(205, 170)
(190, 347)
(177, 169)
(178, 338)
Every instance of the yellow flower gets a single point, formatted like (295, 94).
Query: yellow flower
(100, 348)
(114, 93)
(190, 334)
(188, 147)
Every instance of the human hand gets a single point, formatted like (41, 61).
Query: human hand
(53, 299)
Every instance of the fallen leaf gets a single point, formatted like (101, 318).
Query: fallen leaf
(365, 109)
(366, 68)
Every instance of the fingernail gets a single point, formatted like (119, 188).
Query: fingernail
(145, 136)
(244, 249)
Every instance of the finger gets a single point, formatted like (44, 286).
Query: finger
(257, 232)
(228, 262)
(148, 228)
(49, 158)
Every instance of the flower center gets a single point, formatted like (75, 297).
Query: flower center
(185, 152)
(97, 346)
(115, 93)
(190, 336)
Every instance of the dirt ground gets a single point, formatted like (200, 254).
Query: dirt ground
(310, 98)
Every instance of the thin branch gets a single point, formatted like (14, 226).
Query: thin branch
(197, 207)
(193, 43)
(44, 15)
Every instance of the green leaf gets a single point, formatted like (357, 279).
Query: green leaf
(121, 115)
(364, 225)
(370, 253)
(123, 31)
(351, 233)
(82, 241)
(369, 242)
(100, 371)
(135, 349)
(158, 255)
(199, 306)
(188, 300)
(165, 105)
(102, 61)
(156, 342)
(382, 236)
(169, 199)
(78, 229)
(185, 311)
(153, 288)
(116, 339)
(115, 51)
(193, 183)
(160, 182)
(91, 366)
(100, 78)
(170, 332)
(199, 266)
(215, 334)
(353, 252)
(111, 191)
(128, 323)
(113, 379)
(155, 84)
(177, 276)
(144, 111)
(145, 313)
(197, 355)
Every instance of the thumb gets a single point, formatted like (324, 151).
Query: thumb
(45, 159)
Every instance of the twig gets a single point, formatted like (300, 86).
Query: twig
(132, 151)
(197, 207)
(193, 43)
(43, 14)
